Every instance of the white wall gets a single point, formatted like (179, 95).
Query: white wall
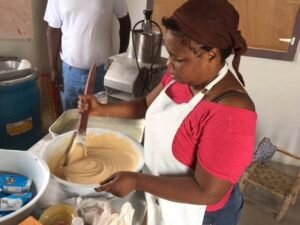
(274, 87)
(34, 50)
(136, 8)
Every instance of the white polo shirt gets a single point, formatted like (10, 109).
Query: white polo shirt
(86, 28)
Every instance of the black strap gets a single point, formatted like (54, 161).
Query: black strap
(227, 94)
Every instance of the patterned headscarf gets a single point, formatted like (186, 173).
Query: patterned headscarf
(213, 23)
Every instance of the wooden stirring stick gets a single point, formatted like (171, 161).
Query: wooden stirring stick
(89, 89)
(78, 148)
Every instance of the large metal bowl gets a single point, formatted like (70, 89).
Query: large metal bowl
(27, 164)
(58, 146)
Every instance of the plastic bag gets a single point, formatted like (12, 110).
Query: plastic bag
(109, 217)
(99, 211)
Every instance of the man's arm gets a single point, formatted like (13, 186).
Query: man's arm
(54, 43)
(125, 26)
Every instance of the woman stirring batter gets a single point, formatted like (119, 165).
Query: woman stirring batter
(200, 122)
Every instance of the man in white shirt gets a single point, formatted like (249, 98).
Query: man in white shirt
(81, 32)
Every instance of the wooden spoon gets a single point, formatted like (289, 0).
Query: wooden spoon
(77, 149)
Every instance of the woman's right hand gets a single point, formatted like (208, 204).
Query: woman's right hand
(89, 103)
(119, 184)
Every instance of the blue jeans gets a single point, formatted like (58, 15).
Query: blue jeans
(230, 214)
(74, 84)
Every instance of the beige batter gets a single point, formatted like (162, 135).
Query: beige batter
(106, 154)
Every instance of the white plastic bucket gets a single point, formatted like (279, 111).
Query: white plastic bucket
(27, 164)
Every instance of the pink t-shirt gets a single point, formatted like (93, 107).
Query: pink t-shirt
(221, 138)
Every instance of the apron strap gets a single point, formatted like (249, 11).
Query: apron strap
(228, 94)
(219, 77)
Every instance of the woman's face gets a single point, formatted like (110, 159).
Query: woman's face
(185, 66)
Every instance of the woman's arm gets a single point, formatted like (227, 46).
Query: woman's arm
(132, 109)
(199, 188)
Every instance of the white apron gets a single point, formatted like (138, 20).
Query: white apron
(163, 118)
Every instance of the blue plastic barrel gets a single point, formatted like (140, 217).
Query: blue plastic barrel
(20, 123)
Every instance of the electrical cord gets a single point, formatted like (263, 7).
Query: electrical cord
(146, 81)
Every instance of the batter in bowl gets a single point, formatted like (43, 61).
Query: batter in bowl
(106, 154)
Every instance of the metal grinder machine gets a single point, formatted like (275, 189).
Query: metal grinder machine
(136, 72)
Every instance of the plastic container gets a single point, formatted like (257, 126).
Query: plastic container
(58, 214)
(77, 221)
(20, 124)
(27, 164)
(69, 121)
(102, 97)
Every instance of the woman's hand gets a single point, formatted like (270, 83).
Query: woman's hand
(119, 184)
(88, 102)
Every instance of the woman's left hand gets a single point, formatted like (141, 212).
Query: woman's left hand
(119, 184)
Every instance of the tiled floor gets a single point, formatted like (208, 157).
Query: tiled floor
(255, 214)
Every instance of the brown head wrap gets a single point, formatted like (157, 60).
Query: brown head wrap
(213, 23)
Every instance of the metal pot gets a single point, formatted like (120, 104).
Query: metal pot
(145, 46)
